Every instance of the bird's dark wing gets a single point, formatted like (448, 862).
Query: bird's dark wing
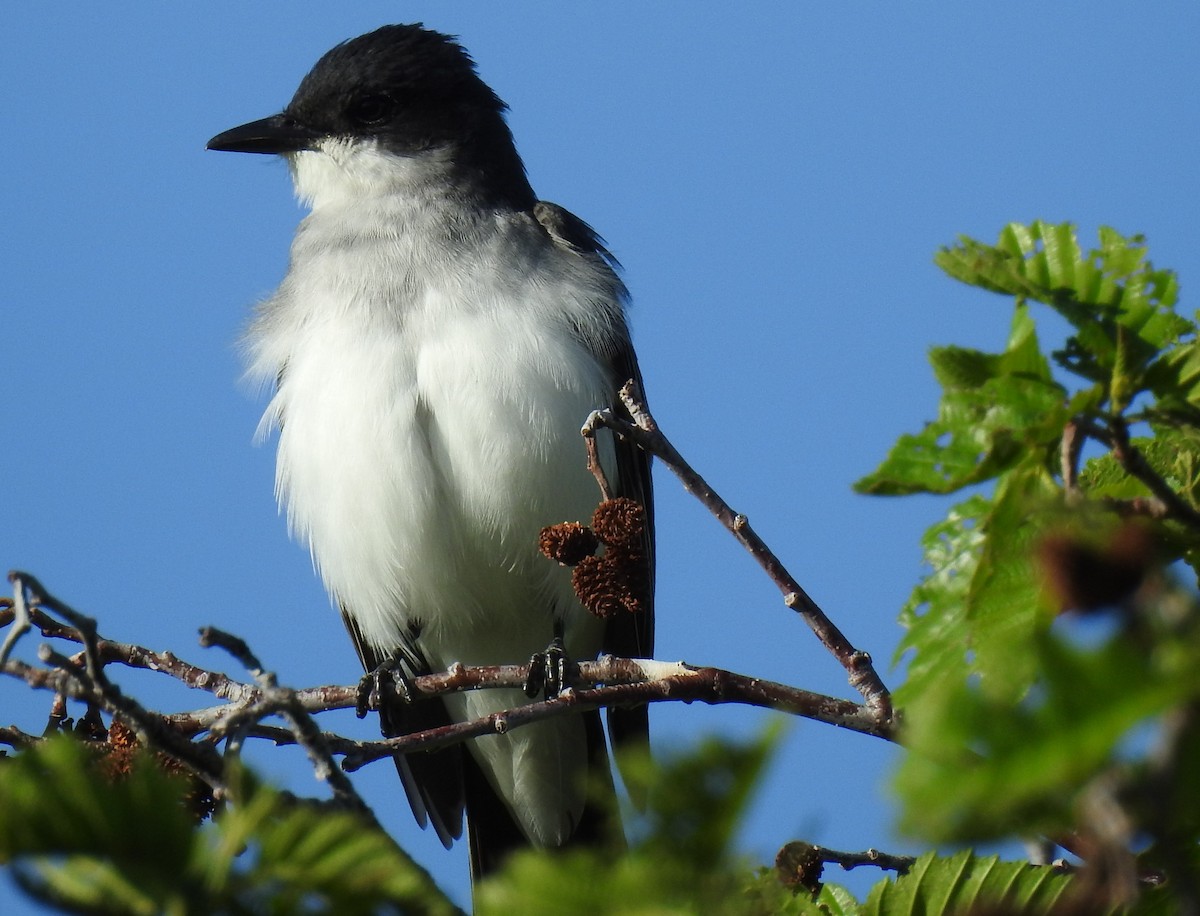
(632, 635)
(433, 780)
(625, 634)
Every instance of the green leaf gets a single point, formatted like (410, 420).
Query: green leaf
(681, 860)
(981, 604)
(56, 800)
(81, 840)
(995, 409)
(978, 435)
(959, 367)
(935, 616)
(1023, 352)
(966, 882)
(983, 766)
(1174, 378)
(1006, 607)
(1121, 307)
(302, 854)
(1173, 452)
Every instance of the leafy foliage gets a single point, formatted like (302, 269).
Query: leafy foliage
(682, 861)
(78, 839)
(964, 881)
(1020, 720)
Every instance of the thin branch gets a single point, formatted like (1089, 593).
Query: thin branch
(589, 440)
(609, 681)
(86, 626)
(644, 432)
(1134, 463)
(14, 737)
(139, 657)
(1072, 446)
(240, 650)
(284, 701)
(664, 681)
(649, 682)
(18, 609)
(151, 728)
(799, 865)
(872, 857)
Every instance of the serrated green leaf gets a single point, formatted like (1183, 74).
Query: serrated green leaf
(1005, 603)
(1121, 307)
(76, 837)
(981, 605)
(1023, 353)
(984, 766)
(55, 800)
(308, 853)
(959, 367)
(965, 882)
(1174, 378)
(837, 901)
(1174, 455)
(979, 434)
(681, 859)
(935, 616)
(995, 407)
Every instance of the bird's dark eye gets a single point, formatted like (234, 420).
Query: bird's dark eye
(369, 110)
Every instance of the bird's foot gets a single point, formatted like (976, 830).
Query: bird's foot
(548, 671)
(388, 680)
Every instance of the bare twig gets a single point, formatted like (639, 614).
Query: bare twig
(648, 682)
(589, 440)
(1072, 446)
(14, 737)
(626, 681)
(609, 681)
(284, 701)
(237, 647)
(1169, 503)
(151, 728)
(19, 611)
(644, 432)
(872, 857)
(135, 656)
(799, 864)
(84, 625)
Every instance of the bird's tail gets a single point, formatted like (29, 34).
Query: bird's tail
(493, 832)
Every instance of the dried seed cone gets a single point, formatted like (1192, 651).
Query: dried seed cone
(619, 522)
(568, 542)
(628, 567)
(598, 589)
(612, 583)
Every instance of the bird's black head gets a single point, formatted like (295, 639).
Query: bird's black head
(409, 89)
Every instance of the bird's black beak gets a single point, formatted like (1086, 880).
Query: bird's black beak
(276, 134)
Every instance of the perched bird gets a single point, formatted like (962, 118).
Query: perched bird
(436, 343)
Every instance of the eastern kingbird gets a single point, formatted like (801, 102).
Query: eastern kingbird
(438, 339)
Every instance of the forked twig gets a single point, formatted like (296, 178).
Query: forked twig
(645, 433)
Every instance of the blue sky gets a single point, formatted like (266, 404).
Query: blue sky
(775, 179)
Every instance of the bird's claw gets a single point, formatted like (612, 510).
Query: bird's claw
(548, 671)
(386, 681)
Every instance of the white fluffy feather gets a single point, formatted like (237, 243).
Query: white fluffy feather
(434, 369)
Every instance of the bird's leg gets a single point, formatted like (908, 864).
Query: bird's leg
(391, 678)
(548, 668)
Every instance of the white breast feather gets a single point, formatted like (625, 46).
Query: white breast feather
(433, 384)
